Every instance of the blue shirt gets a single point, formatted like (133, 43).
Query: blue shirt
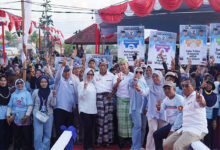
(107, 52)
(19, 102)
(3, 112)
(137, 98)
(65, 92)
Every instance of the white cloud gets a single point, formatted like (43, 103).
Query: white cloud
(67, 23)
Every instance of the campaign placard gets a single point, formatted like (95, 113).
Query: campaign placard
(193, 44)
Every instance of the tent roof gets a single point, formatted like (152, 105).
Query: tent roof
(87, 36)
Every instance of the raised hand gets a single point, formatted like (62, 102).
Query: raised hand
(74, 54)
(199, 98)
(158, 105)
(119, 79)
(212, 61)
(190, 61)
(136, 86)
(64, 62)
(54, 93)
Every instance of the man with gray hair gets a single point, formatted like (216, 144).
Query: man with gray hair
(194, 126)
(173, 106)
(104, 86)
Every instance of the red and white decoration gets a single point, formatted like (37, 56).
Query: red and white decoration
(15, 22)
(142, 8)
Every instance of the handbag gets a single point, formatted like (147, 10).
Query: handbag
(42, 117)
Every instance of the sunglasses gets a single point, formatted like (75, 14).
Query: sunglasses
(185, 85)
(141, 72)
(19, 83)
(90, 74)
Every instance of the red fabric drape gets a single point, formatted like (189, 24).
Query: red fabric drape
(170, 4)
(3, 42)
(11, 23)
(109, 36)
(142, 8)
(194, 4)
(113, 14)
(30, 29)
(18, 22)
(215, 5)
(3, 17)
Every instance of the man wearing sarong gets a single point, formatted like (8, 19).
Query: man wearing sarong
(121, 81)
(104, 86)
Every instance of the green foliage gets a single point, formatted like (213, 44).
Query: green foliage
(68, 49)
(34, 37)
(11, 38)
(46, 20)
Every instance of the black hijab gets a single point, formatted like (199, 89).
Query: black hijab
(43, 92)
(4, 93)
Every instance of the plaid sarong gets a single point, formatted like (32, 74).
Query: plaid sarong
(105, 130)
(124, 118)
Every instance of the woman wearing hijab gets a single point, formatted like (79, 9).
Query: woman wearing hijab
(20, 106)
(44, 100)
(87, 107)
(211, 111)
(155, 118)
(148, 75)
(138, 89)
(4, 100)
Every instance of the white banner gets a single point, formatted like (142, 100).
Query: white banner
(27, 20)
(130, 41)
(193, 44)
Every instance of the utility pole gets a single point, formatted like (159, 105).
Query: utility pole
(24, 46)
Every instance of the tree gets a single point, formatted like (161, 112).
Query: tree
(45, 21)
(34, 37)
(10, 38)
(68, 49)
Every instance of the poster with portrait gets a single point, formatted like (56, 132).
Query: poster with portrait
(59, 60)
(97, 58)
(130, 42)
(161, 42)
(214, 51)
(193, 44)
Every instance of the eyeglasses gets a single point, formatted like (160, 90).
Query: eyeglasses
(141, 72)
(90, 74)
(19, 83)
(185, 85)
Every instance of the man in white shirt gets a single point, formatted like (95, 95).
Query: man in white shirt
(104, 86)
(121, 82)
(194, 125)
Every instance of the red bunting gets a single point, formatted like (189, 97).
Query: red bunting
(170, 4)
(113, 14)
(2, 17)
(142, 8)
(31, 28)
(194, 4)
(18, 22)
(215, 5)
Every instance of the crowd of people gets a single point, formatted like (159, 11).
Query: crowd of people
(138, 105)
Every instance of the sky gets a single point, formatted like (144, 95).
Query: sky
(67, 23)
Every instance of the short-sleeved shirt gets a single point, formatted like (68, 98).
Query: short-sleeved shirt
(122, 90)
